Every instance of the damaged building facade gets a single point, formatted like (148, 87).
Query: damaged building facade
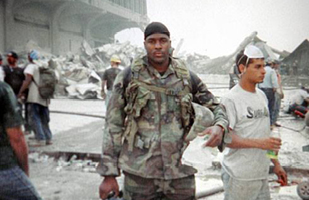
(297, 63)
(60, 26)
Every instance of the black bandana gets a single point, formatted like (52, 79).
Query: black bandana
(156, 27)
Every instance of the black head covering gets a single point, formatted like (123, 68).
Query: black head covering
(156, 27)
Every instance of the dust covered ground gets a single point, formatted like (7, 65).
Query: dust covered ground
(69, 178)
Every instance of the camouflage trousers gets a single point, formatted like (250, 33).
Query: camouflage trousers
(138, 188)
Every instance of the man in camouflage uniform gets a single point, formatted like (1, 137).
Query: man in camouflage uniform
(149, 117)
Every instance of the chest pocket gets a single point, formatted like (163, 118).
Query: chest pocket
(137, 100)
(142, 98)
(173, 103)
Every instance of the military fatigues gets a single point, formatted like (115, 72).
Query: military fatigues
(147, 126)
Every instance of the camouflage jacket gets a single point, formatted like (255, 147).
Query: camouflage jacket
(159, 138)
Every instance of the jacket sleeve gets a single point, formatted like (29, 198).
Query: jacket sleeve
(203, 96)
(113, 131)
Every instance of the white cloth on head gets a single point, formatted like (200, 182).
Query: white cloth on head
(253, 52)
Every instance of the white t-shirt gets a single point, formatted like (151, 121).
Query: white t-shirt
(34, 95)
(299, 97)
(249, 117)
(2, 75)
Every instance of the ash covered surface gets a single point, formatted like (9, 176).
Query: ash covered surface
(71, 178)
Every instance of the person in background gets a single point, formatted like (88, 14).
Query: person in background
(245, 166)
(14, 76)
(38, 112)
(269, 87)
(1, 69)
(109, 77)
(299, 102)
(14, 168)
(278, 94)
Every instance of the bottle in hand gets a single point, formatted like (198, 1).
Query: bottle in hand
(271, 153)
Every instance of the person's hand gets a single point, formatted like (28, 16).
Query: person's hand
(215, 136)
(281, 174)
(103, 94)
(108, 185)
(20, 96)
(271, 143)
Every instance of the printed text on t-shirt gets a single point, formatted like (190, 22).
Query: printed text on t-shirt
(260, 113)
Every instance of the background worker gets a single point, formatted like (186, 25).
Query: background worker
(269, 87)
(1, 69)
(109, 77)
(278, 94)
(14, 76)
(299, 102)
(38, 111)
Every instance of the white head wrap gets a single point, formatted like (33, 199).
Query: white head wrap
(253, 52)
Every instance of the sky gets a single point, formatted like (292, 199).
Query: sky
(217, 27)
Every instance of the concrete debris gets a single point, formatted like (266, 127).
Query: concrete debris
(79, 68)
(74, 164)
(38, 158)
(80, 74)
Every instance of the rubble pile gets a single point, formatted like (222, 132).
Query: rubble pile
(125, 51)
(79, 75)
(74, 164)
(39, 158)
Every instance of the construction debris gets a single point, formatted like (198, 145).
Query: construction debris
(74, 164)
(80, 75)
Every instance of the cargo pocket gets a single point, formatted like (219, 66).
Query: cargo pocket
(136, 108)
(141, 100)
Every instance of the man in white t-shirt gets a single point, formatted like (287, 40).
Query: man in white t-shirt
(37, 106)
(245, 165)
